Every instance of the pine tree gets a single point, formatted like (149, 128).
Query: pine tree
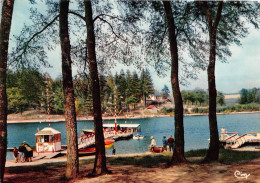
(146, 85)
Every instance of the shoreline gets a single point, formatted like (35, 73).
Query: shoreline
(62, 119)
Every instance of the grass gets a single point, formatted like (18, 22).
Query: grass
(196, 153)
(226, 156)
(229, 156)
(145, 161)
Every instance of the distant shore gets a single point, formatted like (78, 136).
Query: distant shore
(59, 118)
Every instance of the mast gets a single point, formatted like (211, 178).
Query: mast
(115, 96)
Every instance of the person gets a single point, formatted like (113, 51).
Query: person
(29, 152)
(114, 151)
(21, 150)
(16, 154)
(170, 142)
(164, 141)
(223, 133)
(153, 144)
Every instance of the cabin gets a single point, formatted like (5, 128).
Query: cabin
(48, 140)
(123, 127)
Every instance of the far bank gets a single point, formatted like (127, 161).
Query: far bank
(42, 118)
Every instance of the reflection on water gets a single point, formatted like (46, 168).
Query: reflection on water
(196, 131)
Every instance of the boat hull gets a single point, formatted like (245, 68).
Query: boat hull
(92, 150)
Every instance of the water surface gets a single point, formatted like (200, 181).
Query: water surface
(196, 131)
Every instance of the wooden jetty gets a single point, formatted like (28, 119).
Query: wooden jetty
(232, 140)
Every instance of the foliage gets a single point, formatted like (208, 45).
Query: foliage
(165, 110)
(165, 91)
(200, 110)
(200, 97)
(239, 108)
(25, 89)
(249, 96)
(17, 102)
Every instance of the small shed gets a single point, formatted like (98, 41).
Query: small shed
(48, 140)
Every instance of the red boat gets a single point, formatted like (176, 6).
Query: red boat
(92, 150)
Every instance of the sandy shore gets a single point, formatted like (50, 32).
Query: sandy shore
(211, 172)
(59, 118)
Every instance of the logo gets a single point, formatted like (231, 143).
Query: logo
(241, 175)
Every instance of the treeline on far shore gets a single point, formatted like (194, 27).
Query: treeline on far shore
(223, 109)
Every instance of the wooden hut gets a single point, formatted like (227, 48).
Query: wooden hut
(48, 140)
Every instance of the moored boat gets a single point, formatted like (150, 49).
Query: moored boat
(138, 136)
(92, 149)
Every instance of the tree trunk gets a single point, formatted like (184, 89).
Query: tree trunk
(72, 168)
(100, 160)
(6, 19)
(178, 155)
(213, 152)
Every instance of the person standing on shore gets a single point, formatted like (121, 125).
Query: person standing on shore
(153, 144)
(164, 141)
(22, 149)
(16, 154)
(171, 143)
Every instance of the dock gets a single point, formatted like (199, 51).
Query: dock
(233, 140)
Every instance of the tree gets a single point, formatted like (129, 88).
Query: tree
(178, 155)
(165, 91)
(72, 168)
(18, 85)
(16, 101)
(134, 89)
(225, 24)
(220, 99)
(212, 25)
(100, 160)
(146, 84)
(58, 96)
(5, 27)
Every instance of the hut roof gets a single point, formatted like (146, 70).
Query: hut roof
(47, 131)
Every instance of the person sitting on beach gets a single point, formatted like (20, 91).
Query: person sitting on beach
(170, 142)
(153, 144)
(164, 141)
(16, 155)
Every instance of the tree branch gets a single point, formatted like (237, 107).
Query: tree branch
(26, 44)
(111, 28)
(218, 15)
(209, 20)
(80, 16)
(97, 17)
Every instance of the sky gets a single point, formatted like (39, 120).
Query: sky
(241, 71)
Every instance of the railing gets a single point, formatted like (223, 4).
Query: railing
(248, 137)
(232, 136)
(89, 139)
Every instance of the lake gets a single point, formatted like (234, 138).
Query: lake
(196, 131)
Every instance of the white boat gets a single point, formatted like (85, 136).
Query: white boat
(138, 136)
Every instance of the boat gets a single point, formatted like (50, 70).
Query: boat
(138, 136)
(157, 150)
(87, 131)
(92, 149)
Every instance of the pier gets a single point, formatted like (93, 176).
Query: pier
(233, 140)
